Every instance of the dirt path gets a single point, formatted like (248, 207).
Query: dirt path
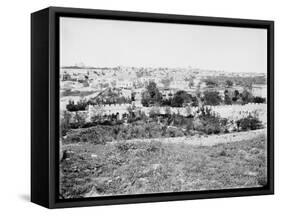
(209, 140)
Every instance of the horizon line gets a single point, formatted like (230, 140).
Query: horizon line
(203, 69)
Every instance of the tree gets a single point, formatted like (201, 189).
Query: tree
(133, 96)
(259, 99)
(181, 98)
(228, 83)
(191, 83)
(71, 106)
(227, 98)
(211, 98)
(211, 83)
(151, 96)
(195, 101)
(81, 105)
(236, 96)
(166, 102)
(246, 97)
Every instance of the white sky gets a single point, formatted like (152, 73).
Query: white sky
(109, 43)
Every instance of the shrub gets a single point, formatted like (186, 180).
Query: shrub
(249, 123)
(179, 120)
(208, 122)
(65, 123)
(225, 125)
(195, 101)
(79, 119)
(189, 124)
(261, 178)
(258, 100)
(212, 127)
(131, 132)
(153, 130)
(122, 133)
(72, 107)
(138, 131)
(166, 102)
(154, 112)
(94, 135)
(174, 132)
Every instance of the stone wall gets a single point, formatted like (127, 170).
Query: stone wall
(231, 112)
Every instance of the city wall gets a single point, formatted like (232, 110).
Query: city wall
(231, 112)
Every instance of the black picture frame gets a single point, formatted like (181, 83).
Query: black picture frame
(45, 106)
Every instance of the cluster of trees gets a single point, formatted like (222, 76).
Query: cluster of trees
(227, 81)
(153, 97)
(235, 97)
(110, 100)
(180, 99)
(156, 125)
(79, 106)
(230, 97)
(211, 98)
(82, 104)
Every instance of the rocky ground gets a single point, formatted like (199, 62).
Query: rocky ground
(164, 165)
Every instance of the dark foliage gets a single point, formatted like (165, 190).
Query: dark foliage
(209, 123)
(249, 123)
(211, 83)
(227, 98)
(79, 106)
(211, 98)
(228, 83)
(246, 97)
(259, 100)
(182, 98)
(151, 96)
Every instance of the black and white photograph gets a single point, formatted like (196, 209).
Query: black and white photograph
(151, 107)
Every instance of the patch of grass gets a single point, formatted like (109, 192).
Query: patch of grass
(101, 134)
(151, 167)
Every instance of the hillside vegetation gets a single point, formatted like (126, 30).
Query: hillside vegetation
(150, 166)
